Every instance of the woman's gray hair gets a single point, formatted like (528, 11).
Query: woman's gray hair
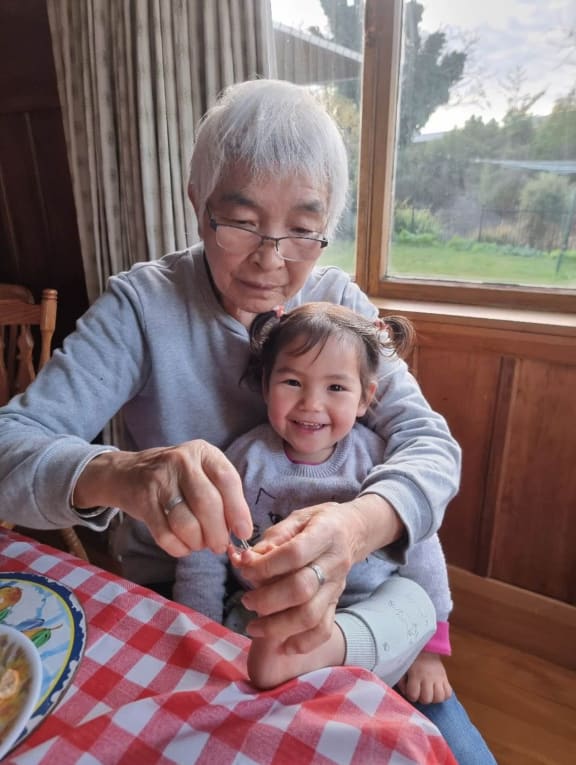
(276, 128)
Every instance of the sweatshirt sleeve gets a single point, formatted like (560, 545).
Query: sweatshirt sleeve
(426, 565)
(201, 583)
(45, 433)
(420, 470)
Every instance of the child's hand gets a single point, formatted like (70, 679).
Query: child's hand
(426, 681)
(240, 557)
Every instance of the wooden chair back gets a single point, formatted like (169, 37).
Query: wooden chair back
(19, 313)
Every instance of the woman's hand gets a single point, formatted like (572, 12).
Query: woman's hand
(293, 604)
(142, 484)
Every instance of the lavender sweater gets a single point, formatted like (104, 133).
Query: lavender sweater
(274, 487)
(158, 346)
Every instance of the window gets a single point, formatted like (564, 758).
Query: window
(467, 186)
(319, 44)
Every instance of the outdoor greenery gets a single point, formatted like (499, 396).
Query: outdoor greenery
(429, 72)
(462, 211)
(464, 259)
(483, 262)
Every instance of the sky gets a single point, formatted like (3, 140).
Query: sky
(509, 38)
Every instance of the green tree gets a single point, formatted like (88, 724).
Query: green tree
(500, 187)
(555, 137)
(476, 139)
(430, 174)
(346, 18)
(544, 203)
(518, 128)
(426, 176)
(429, 71)
(428, 74)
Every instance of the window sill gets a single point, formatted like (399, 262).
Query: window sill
(515, 319)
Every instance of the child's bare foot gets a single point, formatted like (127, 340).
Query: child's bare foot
(426, 681)
(268, 665)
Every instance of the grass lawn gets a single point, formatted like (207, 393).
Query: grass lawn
(339, 253)
(440, 261)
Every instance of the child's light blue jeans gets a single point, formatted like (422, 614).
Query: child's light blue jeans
(461, 735)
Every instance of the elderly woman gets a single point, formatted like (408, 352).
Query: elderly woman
(167, 344)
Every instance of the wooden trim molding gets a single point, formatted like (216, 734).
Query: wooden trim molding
(525, 620)
(464, 314)
(382, 50)
(505, 295)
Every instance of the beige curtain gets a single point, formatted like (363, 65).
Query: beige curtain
(134, 78)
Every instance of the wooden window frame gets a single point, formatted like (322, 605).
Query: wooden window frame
(382, 51)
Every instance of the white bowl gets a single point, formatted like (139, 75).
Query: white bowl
(20, 684)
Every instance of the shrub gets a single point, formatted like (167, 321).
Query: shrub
(504, 233)
(460, 243)
(415, 220)
(544, 202)
(422, 240)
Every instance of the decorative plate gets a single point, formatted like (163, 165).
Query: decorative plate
(49, 614)
(20, 684)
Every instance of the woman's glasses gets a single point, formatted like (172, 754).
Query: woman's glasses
(241, 241)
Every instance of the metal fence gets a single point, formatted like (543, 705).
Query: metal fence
(535, 229)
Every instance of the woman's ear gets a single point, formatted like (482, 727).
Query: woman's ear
(367, 398)
(193, 199)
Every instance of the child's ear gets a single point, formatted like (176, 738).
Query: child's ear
(367, 398)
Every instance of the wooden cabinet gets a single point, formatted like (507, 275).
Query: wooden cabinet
(506, 382)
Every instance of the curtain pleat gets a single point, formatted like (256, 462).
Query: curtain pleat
(134, 77)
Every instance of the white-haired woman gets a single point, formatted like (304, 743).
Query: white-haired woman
(268, 183)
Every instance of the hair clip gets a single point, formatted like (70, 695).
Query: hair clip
(279, 310)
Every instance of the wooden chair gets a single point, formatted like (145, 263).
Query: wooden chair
(18, 314)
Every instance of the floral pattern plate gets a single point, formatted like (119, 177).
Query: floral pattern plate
(49, 614)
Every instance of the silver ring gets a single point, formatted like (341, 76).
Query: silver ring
(169, 506)
(318, 571)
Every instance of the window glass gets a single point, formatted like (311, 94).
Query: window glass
(319, 44)
(485, 168)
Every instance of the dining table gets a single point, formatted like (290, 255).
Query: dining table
(160, 683)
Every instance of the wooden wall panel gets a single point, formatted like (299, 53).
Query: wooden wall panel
(39, 243)
(61, 258)
(22, 211)
(27, 77)
(535, 527)
(463, 387)
(507, 388)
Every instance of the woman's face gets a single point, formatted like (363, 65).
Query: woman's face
(258, 281)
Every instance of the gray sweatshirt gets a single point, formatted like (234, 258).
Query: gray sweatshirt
(158, 346)
(274, 487)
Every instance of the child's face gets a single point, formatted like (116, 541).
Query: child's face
(314, 399)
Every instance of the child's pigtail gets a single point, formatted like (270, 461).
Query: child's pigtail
(401, 334)
(260, 329)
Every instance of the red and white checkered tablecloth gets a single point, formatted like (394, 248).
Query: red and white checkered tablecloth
(159, 683)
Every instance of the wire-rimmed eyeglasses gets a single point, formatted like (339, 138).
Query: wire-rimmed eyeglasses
(238, 240)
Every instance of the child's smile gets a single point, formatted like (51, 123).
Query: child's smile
(314, 398)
